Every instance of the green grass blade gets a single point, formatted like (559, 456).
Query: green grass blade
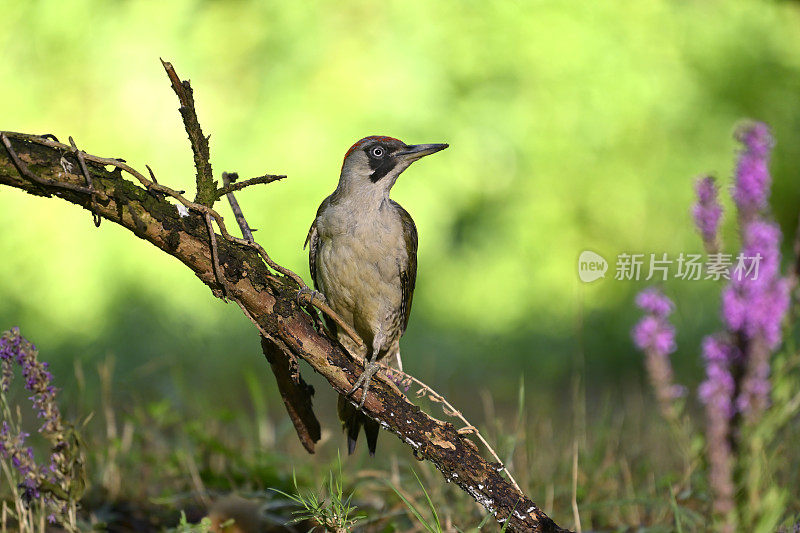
(430, 503)
(675, 511)
(414, 511)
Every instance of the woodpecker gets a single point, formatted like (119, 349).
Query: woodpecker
(363, 259)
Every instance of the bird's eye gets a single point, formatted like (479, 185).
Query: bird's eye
(378, 151)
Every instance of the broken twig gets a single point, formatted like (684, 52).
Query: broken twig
(206, 186)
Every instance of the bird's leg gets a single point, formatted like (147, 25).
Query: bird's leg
(364, 380)
(371, 367)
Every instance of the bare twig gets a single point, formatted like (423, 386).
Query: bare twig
(447, 407)
(233, 187)
(79, 154)
(212, 240)
(227, 179)
(152, 175)
(23, 169)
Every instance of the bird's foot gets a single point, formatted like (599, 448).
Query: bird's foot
(364, 381)
(305, 296)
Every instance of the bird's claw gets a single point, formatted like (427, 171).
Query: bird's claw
(364, 381)
(305, 296)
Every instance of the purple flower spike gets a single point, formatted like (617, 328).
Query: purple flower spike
(717, 392)
(15, 349)
(652, 333)
(654, 302)
(718, 388)
(752, 187)
(755, 305)
(754, 302)
(707, 212)
(655, 336)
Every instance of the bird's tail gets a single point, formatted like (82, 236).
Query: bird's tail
(352, 421)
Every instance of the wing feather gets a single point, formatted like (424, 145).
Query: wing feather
(313, 239)
(408, 272)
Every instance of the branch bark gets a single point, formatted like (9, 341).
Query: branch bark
(45, 168)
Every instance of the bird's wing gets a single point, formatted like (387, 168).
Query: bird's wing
(408, 273)
(313, 238)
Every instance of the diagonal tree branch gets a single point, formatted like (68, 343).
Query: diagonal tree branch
(46, 168)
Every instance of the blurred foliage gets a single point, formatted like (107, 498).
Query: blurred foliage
(572, 126)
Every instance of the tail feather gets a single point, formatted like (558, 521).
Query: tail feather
(352, 421)
(352, 437)
(371, 430)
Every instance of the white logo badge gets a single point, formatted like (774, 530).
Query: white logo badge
(591, 266)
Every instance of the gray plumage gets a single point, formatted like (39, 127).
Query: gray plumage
(363, 258)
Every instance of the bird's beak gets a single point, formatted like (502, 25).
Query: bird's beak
(415, 151)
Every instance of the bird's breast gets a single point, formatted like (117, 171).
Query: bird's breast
(359, 261)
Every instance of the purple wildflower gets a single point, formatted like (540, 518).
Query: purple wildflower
(752, 186)
(30, 490)
(718, 388)
(9, 346)
(707, 212)
(13, 448)
(654, 332)
(655, 336)
(717, 393)
(37, 379)
(753, 307)
(654, 302)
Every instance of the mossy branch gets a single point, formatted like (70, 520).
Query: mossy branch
(242, 271)
(206, 186)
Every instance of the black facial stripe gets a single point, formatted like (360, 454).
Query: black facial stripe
(380, 166)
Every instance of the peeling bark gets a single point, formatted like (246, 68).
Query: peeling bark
(296, 393)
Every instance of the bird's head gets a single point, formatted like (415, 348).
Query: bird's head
(375, 162)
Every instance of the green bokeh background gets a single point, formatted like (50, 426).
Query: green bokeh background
(573, 126)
